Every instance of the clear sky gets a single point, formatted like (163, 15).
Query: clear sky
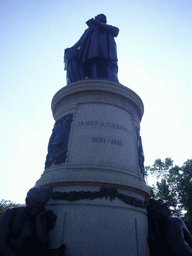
(155, 60)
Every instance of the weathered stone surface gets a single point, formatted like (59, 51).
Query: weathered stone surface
(102, 152)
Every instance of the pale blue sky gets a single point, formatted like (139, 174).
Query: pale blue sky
(154, 50)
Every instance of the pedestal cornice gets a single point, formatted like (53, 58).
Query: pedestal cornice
(97, 89)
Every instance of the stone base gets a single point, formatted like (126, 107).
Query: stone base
(99, 226)
(102, 151)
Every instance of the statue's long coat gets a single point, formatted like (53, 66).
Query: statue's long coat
(97, 43)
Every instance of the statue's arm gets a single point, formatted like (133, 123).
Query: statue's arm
(187, 236)
(91, 24)
(44, 223)
(41, 230)
(114, 31)
(176, 237)
(5, 229)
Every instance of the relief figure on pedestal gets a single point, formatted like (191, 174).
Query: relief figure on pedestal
(58, 142)
(140, 153)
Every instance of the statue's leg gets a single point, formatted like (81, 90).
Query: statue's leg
(94, 70)
(112, 71)
(90, 68)
(86, 69)
(102, 70)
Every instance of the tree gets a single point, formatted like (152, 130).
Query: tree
(4, 204)
(185, 190)
(165, 192)
(161, 168)
(175, 185)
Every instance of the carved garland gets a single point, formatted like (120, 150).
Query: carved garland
(110, 193)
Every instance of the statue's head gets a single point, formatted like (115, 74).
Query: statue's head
(158, 208)
(36, 199)
(101, 17)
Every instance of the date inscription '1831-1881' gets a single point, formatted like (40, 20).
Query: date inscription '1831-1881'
(105, 140)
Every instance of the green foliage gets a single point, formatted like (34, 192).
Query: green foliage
(175, 185)
(160, 168)
(185, 188)
(152, 191)
(163, 190)
(4, 204)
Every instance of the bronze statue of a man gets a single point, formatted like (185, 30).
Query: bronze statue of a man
(24, 230)
(167, 235)
(94, 56)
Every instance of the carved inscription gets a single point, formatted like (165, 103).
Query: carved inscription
(104, 140)
(105, 124)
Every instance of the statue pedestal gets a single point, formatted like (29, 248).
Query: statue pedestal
(98, 187)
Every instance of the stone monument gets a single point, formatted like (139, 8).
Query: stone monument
(95, 161)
